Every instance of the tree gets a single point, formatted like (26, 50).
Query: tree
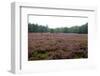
(74, 29)
(65, 30)
(51, 30)
(83, 29)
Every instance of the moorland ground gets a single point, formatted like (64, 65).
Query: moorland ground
(48, 46)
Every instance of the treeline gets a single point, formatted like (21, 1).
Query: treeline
(83, 29)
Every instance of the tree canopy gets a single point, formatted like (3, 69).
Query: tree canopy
(83, 29)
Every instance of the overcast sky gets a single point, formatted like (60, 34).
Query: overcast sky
(55, 22)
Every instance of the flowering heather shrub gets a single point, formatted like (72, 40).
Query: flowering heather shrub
(48, 46)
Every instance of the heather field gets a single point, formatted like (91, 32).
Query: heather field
(51, 46)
